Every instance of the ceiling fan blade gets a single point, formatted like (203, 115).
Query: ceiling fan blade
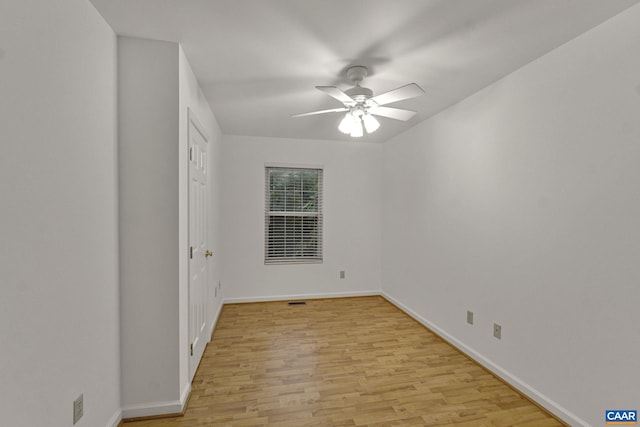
(337, 94)
(405, 92)
(392, 113)
(333, 110)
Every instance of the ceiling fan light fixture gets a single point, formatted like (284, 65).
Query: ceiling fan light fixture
(357, 131)
(370, 123)
(347, 124)
(356, 121)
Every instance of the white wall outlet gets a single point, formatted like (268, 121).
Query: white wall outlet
(78, 409)
(342, 274)
(497, 331)
(470, 317)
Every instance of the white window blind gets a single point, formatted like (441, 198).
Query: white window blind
(293, 215)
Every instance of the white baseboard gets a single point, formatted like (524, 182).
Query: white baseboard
(158, 408)
(524, 388)
(114, 421)
(301, 296)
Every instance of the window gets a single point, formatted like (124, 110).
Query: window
(293, 215)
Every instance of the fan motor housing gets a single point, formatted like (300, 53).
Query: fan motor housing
(359, 93)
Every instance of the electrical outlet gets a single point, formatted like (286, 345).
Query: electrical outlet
(342, 274)
(470, 317)
(78, 409)
(497, 331)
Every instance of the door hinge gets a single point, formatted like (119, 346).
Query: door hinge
(191, 154)
(191, 349)
(190, 252)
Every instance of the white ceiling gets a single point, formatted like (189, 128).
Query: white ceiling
(258, 61)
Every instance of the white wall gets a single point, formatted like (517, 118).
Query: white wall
(148, 167)
(521, 203)
(192, 99)
(59, 332)
(351, 227)
(157, 88)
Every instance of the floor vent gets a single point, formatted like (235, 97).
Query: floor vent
(297, 302)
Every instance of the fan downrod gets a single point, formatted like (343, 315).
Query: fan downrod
(358, 93)
(357, 73)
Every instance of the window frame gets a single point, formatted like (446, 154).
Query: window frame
(317, 257)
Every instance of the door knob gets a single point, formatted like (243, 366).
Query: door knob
(208, 253)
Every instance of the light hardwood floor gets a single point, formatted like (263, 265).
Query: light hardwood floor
(341, 362)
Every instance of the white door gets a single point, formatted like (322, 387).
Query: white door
(198, 250)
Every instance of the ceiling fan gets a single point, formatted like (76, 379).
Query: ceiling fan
(361, 105)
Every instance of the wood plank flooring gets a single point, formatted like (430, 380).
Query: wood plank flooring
(341, 362)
